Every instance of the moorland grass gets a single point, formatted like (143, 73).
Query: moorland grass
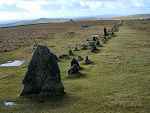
(118, 82)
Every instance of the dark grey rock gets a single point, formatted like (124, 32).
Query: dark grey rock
(92, 46)
(84, 47)
(87, 61)
(43, 75)
(76, 49)
(73, 70)
(71, 53)
(64, 56)
(80, 58)
(74, 61)
(75, 67)
(105, 32)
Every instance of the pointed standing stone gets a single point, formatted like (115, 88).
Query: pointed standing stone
(43, 75)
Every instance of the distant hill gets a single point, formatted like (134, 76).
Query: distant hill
(137, 16)
(37, 21)
(55, 20)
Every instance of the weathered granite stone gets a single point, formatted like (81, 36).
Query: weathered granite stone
(75, 67)
(43, 75)
(74, 61)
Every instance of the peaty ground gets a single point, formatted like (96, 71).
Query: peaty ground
(118, 82)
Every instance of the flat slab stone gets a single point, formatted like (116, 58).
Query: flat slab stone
(15, 63)
(9, 103)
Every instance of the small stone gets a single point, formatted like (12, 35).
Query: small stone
(71, 53)
(76, 49)
(84, 47)
(87, 61)
(80, 58)
(64, 56)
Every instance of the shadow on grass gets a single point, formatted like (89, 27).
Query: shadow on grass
(77, 75)
(35, 104)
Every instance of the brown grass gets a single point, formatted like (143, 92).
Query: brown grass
(16, 37)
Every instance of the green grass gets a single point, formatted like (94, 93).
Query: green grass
(118, 82)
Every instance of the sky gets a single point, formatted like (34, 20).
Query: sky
(33, 9)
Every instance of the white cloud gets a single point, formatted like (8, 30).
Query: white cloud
(8, 2)
(31, 6)
(29, 9)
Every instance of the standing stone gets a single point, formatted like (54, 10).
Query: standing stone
(87, 60)
(75, 67)
(43, 75)
(94, 38)
(74, 61)
(105, 32)
(71, 53)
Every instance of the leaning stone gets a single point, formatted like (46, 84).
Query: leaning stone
(43, 75)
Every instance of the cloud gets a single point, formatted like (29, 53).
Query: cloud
(30, 9)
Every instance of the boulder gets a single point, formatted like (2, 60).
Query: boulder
(43, 75)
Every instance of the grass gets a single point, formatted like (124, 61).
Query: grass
(118, 82)
(26, 35)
